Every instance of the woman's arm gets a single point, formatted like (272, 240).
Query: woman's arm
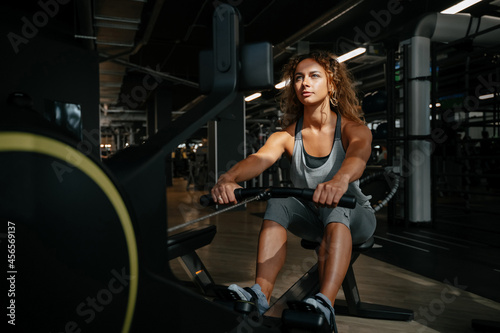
(250, 167)
(359, 139)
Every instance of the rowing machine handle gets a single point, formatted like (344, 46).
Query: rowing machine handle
(278, 192)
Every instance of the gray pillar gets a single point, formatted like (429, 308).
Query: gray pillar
(419, 179)
(226, 139)
(131, 135)
(118, 139)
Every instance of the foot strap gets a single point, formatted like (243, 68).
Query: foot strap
(333, 325)
(301, 316)
(254, 298)
(232, 299)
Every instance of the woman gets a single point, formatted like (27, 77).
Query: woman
(328, 145)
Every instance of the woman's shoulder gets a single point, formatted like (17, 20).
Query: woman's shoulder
(281, 139)
(285, 133)
(347, 122)
(284, 136)
(352, 123)
(355, 130)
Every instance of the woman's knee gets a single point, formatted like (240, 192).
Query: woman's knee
(336, 230)
(335, 227)
(272, 226)
(272, 232)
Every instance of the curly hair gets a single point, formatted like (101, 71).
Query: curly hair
(342, 94)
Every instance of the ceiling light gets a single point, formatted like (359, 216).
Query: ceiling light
(460, 6)
(488, 96)
(352, 54)
(252, 97)
(282, 84)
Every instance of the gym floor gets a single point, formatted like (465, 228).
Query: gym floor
(445, 282)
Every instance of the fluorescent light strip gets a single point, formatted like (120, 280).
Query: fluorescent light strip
(252, 97)
(460, 6)
(352, 54)
(282, 84)
(488, 96)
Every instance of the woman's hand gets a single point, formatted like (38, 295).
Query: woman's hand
(223, 191)
(329, 193)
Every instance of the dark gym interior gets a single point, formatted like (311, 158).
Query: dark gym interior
(116, 116)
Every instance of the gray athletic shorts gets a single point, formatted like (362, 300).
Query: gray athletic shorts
(305, 220)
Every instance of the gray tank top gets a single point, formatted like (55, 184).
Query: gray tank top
(305, 176)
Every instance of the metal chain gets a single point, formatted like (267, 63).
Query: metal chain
(180, 226)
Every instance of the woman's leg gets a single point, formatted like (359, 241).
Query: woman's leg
(271, 255)
(334, 258)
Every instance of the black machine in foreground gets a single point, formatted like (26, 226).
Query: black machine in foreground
(87, 241)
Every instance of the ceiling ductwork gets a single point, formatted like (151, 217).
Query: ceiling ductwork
(136, 38)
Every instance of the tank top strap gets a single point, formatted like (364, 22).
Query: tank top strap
(338, 127)
(298, 129)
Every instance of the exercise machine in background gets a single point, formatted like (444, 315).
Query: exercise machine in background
(90, 239)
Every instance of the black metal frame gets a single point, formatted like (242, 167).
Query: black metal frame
(184, 245)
